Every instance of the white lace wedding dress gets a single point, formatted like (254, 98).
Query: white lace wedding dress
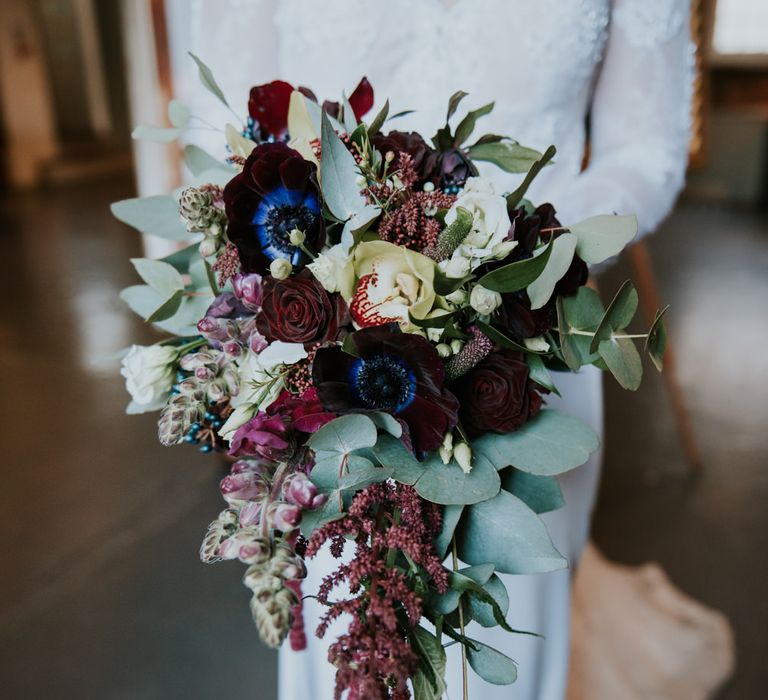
(546, 64)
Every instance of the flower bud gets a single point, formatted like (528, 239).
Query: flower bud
(232, 348)
(236, 488)
(248, 290)
(459, 297)
(297, 237)
(537, 344)
(462, 453)
(501, 250)
(284, 516)
(444, 350)
(280, 268)
(389, 156)
(456, 345)
(446, 449)
(456, 267)
(484, 301)
(208, 246)
(429, 187)
(300, 491)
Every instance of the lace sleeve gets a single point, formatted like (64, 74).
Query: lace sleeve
(640, 116)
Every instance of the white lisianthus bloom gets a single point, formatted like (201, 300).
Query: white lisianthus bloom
(490, 222)
(333, 269)
(484, 301)
(457, 267)
(261, 382)
(149, 373)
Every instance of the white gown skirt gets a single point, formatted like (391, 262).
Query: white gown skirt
(539, 603)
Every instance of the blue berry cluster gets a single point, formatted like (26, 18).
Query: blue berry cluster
(211, 422)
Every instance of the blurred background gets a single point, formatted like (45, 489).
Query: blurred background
(102, 594)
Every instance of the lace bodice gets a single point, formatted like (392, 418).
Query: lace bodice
(546, 63)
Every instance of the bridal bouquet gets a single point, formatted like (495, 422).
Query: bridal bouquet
(366, 326)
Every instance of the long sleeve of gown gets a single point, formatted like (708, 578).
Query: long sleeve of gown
(640, 117)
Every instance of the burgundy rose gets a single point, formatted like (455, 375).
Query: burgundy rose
(423, 157)
(497, 395)
(298, 310)
(275, 193)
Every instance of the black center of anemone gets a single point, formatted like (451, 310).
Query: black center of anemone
(382, 382)
(284, 219)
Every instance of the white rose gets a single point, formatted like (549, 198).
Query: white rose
(149, 373)
(333, 270)
(484, 301)
(490, 221)
(457, 267)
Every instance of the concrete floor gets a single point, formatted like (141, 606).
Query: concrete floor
(101, 591)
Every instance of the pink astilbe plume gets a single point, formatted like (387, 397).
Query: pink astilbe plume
(373, 659)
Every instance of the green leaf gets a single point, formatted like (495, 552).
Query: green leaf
(498, 337)
(165, 279)
(459, 582)
(583, 312)
(656, 342)
(199, 161)
(312, 519)
(538, 372)
(181, 259)
(541, 494)
(451, 515)
(514, 199)
(207, 79)
(168, 308)
(178, 114)
(447, 484)
(158, 134)
(518, 275)
(345, 434)
(154, 216)
(360, 477)
(391, 452)
(444, 285)
(387, 422)
(510, 156)
(622, 359)
(432, 665)
(602, 237)
(505, 532)
(481, 610)
(467, 125)
(453, 103)
(540, 290)
(338, 172)
(491, 665)
(551, 443)
(332, 466)
(378, 121)
(617, 316)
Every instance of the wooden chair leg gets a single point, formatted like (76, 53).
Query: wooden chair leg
(649, 297)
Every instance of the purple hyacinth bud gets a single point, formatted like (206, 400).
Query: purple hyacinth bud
(248, 290)
(232, 348)
(223, 306)
(284, 516)
(299, 490)
(242, 487)
(250, 513)
(204, 374)
(257, 342)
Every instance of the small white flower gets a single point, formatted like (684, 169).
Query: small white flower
(149, 373)
(457, 267)
(537, 344)
(446, 449)
(484, 301)
(429, 187)
(280, 268)
(462, 453)
(297, 237)
(333, 270)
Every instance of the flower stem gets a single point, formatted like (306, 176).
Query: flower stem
(590, 334)
(191, 345)
(464, 677)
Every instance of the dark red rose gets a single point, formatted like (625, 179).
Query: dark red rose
(423, 157)
(276, 192)
(299, 310)
(268, 107)
(497, 395)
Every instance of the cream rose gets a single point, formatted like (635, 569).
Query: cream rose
(149, 372)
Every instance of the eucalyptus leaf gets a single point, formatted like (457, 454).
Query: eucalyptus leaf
(178, 114)
(348, 115)
(154, 216)
(518, 275)
(161, 276)
(181, 259)
(617, 316)
(338, 173)
(622, 359)
(510, 156)
(515, 197)
(602, 237)
(448, 484)
(359, 477)
(391, 452)
(540, 290)
(491, 665)
(345, 434)
(199, 161)
(207, 79)
(331, 467)
(168, 308)
(538, 372)
(312, 519)
(432, 664)
(481, 611)
(551, 443)
(451, 515)
(158, 134)
(542, 494)
(505, 532)
(387, 422)
(656, 342)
